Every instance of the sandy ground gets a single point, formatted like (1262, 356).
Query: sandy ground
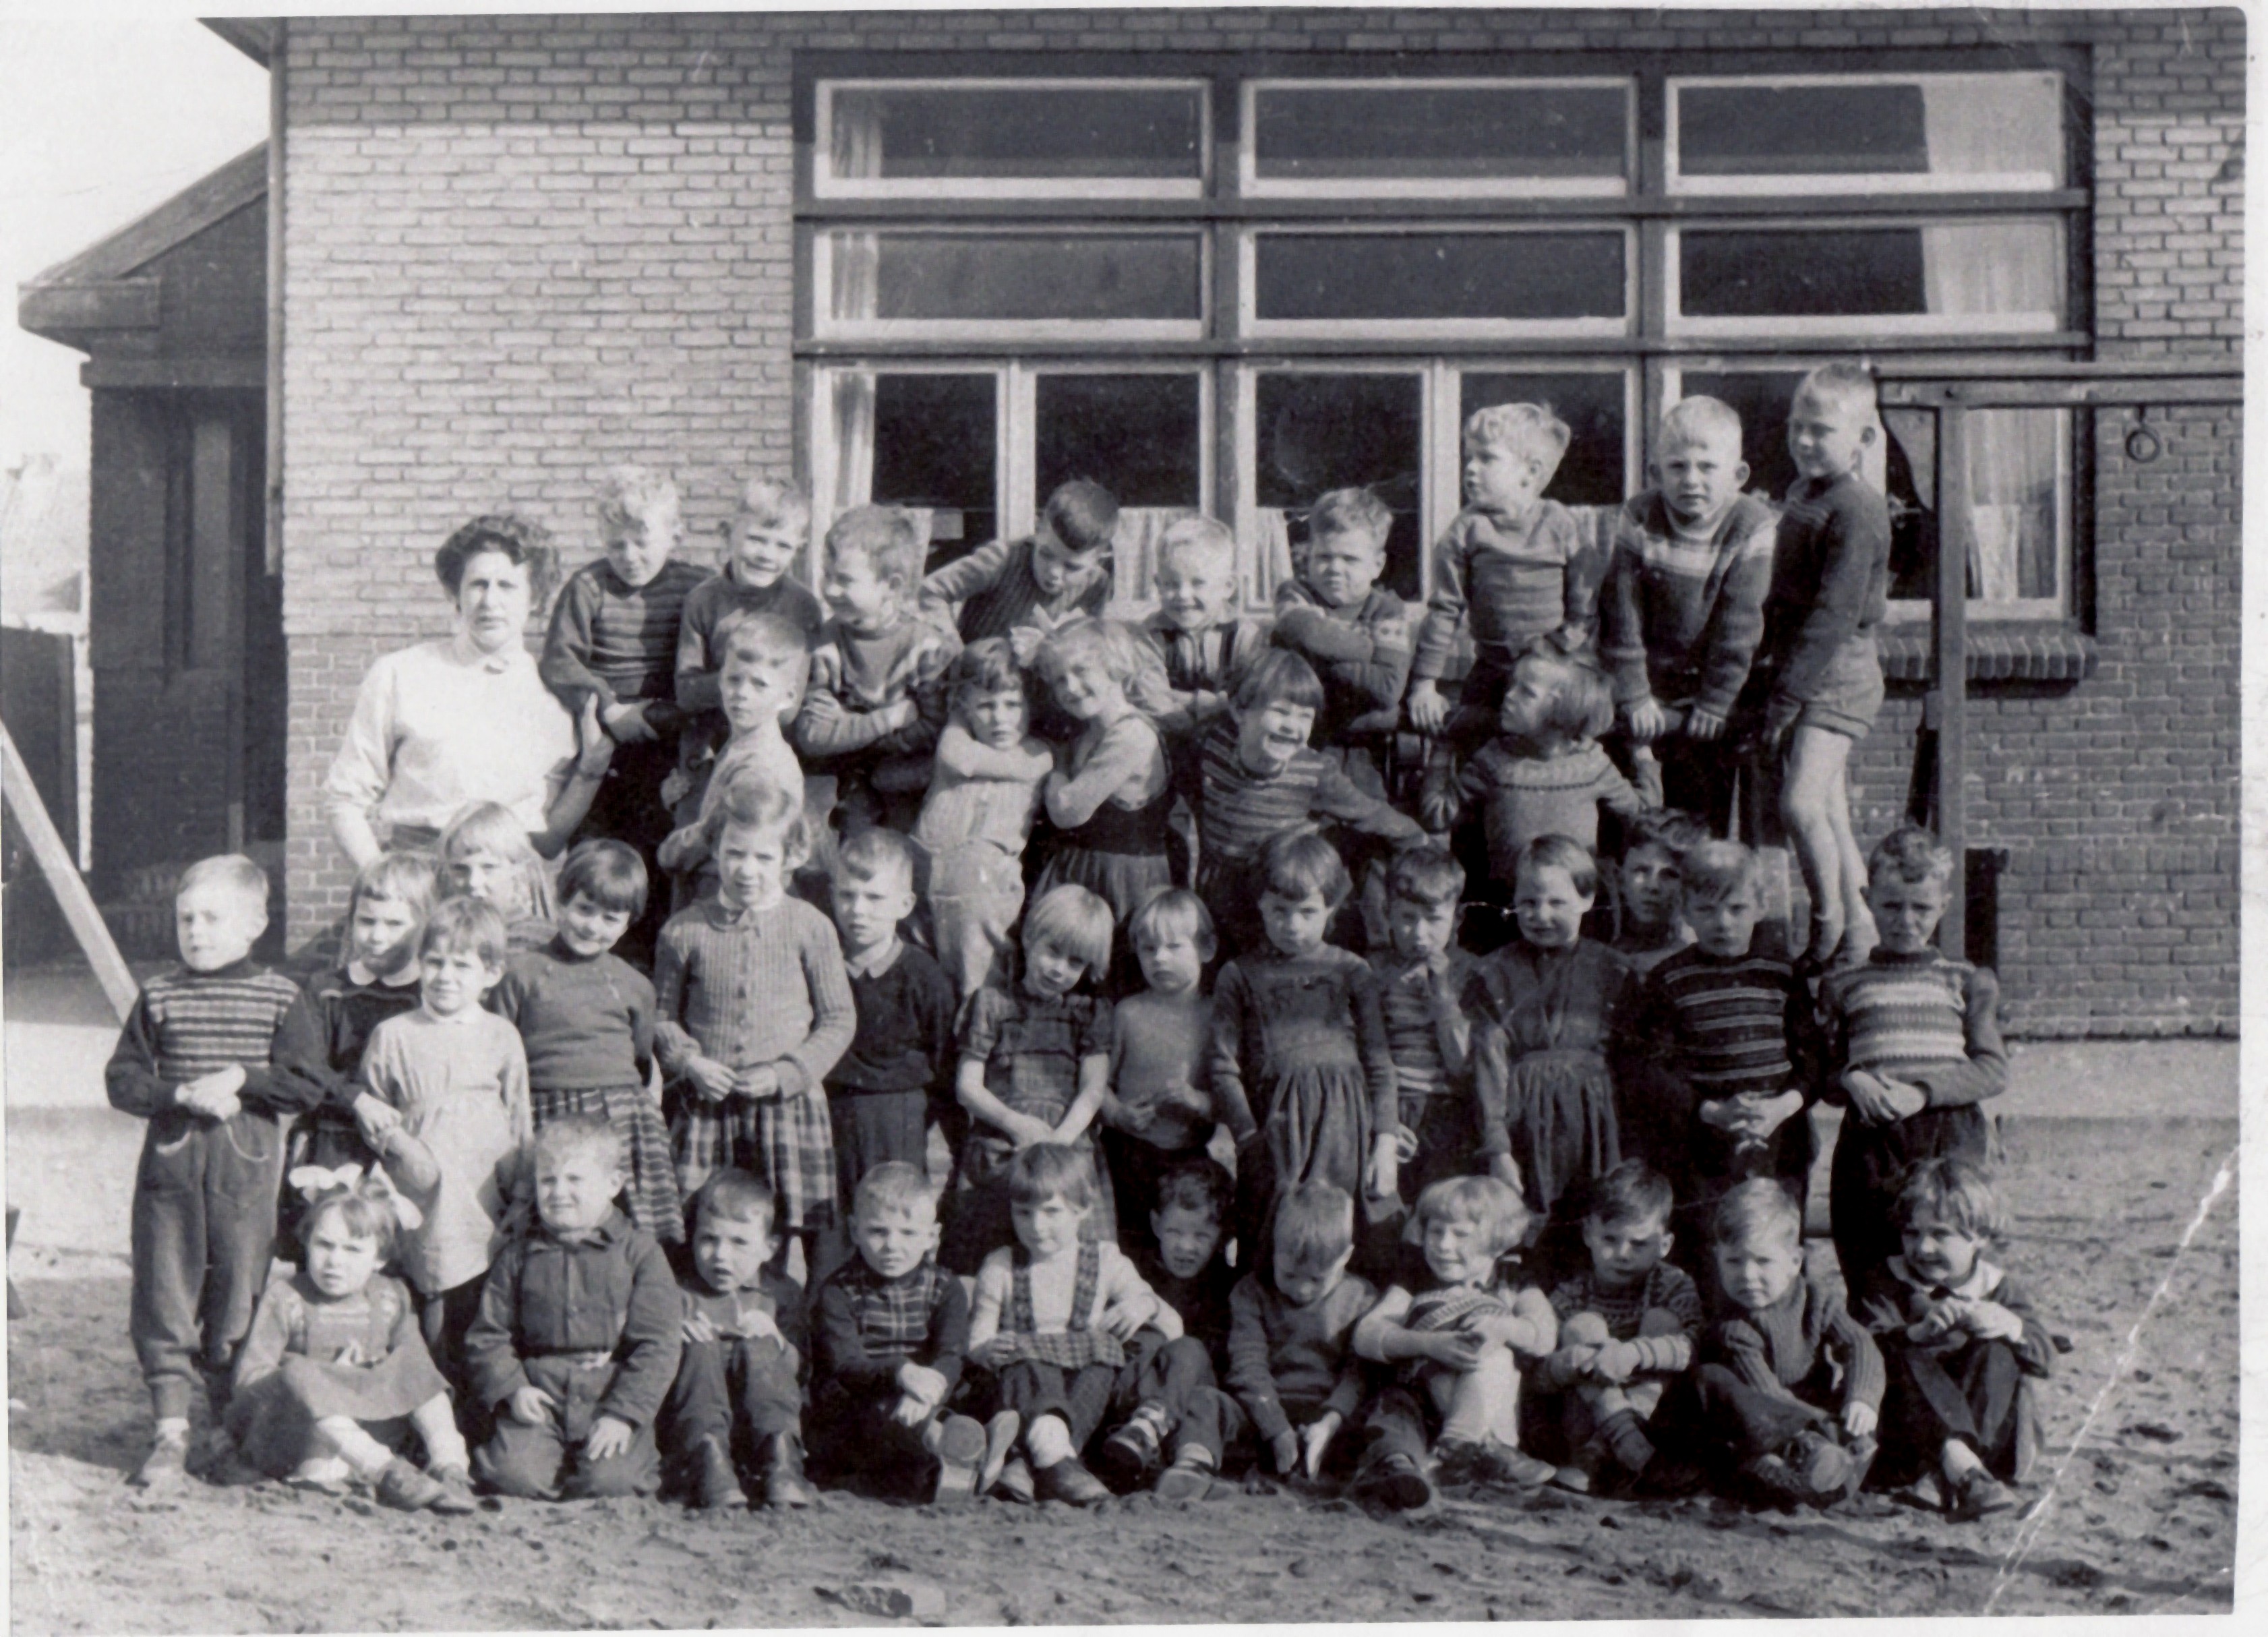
(2141, 1516)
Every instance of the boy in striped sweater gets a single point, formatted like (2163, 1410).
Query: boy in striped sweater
(1913, 1051)
(217, 1055)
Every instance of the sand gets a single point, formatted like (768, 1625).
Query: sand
(2142, 1518)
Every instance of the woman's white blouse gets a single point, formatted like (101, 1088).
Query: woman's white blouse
(442, 725)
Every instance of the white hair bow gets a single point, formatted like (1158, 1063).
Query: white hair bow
(314, 1181)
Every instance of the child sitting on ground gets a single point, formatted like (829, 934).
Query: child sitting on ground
(1461, 1331)
(1961, 1345)
(900, 1060)
(1302, 1071)
(1421, 983)
(1356, 635)
(890, 1333)
(1024, 589)
(1511, 569)
(878, 696)
(613, 640)
(1726, 1028)
(753, 1011)
(982, 793)
(1158, 1111)
(1785, 1400)
(1817, 678)
(1292, 1367)
(335, 1375)
(1205, 647)
(585, 1018)
(1627, 1326)
(1050, 1322)
(1186, 1260)
(1034, 1067)
(1648, 880)
(1259, 779)
(766, 668)
(735, 1404)
(1683, 605)
(452, 1077)
(770, 528)
(579, 1332)
(376, 978)
(217, 1055)
(1913, 1051)
(1545, 773)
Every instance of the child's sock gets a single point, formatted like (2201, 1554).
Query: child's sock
(1623, 1434)
(1048, 1441)
(323, 1472)
(1959, 1460)
(436, 1426)
(363, 1455)
(170, 1429)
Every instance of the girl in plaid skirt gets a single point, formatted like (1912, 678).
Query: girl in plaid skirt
(755, 1007)
(586, 1018)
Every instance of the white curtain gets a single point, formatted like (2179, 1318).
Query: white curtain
(855, 145)
(1268, 554)
(854, 441)
(1994, 125)
(1134, 549)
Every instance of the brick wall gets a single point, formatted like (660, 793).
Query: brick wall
(519, 249)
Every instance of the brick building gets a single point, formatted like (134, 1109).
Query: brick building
(1227, 258)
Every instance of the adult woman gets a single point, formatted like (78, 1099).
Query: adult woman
(465, 718)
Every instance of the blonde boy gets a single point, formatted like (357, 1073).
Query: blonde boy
(767, 531)
(1205, 646)
(767, 668)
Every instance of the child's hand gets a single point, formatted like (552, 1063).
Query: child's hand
(626, 724)
(901, 716)
(1024, 642)
(1121, 1321)
(756, 1325)
(1704, 724)
(822, 707)
(1905, 1100)
(1028, 1129)
(1868, 1100)
(350, 1357)
(1385, 1181)
(700, 1327)
(1315, 1438)
(609, 1437)
(1182, 1094)
(1438, 805)
(1648, 721)
(995, 1354)
(1128, 1118)
(1460, 1350)
(1717, 1113)
(1284, 1448)
(921, 1388)
(1859, 1420)
(760, 1084)
(530, 1405)
(1575, 1363)
(676, 784)
(206, 1093)
(376, 1119)
(681, 849)
(1427, 710)
(594, 749)
(1616, 1362)
(711, 1078)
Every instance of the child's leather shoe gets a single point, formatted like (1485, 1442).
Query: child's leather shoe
(784, 1483)
(1189, 1478)
(1502, 1463)
(716, 1486)
(1015, 1483)
(999, 1440)
(1396, 1481)
(1127, 1454)
(1068, 1480)
(456, 1491)
(166, 1465)
(1821, 1465)
(404, 1488)
(1979, 1494)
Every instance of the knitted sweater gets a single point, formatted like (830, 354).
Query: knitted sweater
(1284, 1360)
(1680, 618)
(185, 1025)
(707, 606)
(618, 641)
(995, 593)
(1891, 1297)
(1776, 1348)
(1521, 796)
(1239, 812)
(1362, 654)
(1830, 582)
(1924, 1019)
(1202, 668)
(905, 1038)
(1730, 1025)
(866, 673)
(586, 1020)
(751, 988)
(1666, 1288)
(1426, 1030)
(1514, 579)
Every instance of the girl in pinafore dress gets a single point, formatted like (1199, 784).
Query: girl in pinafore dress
(1300, 1066)
(335, 1373)
(1544, 1009)
(1108, 801)
(1034, 1067)
(585, 1016)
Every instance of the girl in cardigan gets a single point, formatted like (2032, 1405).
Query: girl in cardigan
(1300, 1066)
(334, 1373)
(586, 1018)
(1543, 1008)
(1109, 799)
(1034, 1067)
(754, 1009)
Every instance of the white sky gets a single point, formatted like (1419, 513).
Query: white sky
(101, 119)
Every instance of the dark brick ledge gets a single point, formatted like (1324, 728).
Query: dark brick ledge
(1997, 653)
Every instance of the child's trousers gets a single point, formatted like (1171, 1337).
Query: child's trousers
(203, 1226)
(1977, 1393)
(852, 1434)
(1080, 1398)
(1177, 1375)
(546, 1461)
(732, 1384)
(976, 898)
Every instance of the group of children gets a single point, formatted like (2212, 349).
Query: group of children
(1253, 1151)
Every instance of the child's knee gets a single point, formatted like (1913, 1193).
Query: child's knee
(1585, 1330)
(1659, 1322)
(522, 1462)
(636, 1471)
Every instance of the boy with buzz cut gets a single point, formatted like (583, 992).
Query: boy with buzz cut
(216, 1056)
(1205, 646)
(890, 1335)
(1355, 634)
(1913, 1052)
(578, 1335)
(878, 696)
(767, 530)
(1512, 569)
(614, 639)
(1682, 607)
(1025, 589)
(736, 1401)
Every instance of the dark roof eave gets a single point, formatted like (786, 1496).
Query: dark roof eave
(255, 36)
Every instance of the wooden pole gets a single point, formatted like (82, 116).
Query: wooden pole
(1949, 617)
(64, 881)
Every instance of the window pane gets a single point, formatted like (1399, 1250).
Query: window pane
(1316, 432)
(2019, 500)
(935, 449)
(1066, 132)
(1594, 406)
(964, 277)
(1952, 270)
(2007, 126)
(1354, 133)
(1440, 276)
(1136, 435)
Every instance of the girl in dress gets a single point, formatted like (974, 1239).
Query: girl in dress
(335, 1373)
(1108, 801)
(1034, 1067)
(1300, 1066)
(486, 854)
(1543, 1008)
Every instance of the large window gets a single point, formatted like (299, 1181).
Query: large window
(1221, 290)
